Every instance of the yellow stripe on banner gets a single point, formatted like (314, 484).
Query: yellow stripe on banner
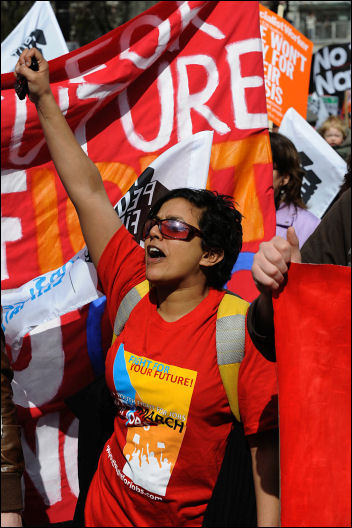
(242, 155)
(44, 198)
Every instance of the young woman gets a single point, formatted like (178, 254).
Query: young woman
(287, 182)
(173, 417)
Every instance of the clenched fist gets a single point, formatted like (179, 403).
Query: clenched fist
(271, 262)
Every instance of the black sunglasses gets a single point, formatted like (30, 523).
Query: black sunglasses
(171, 228)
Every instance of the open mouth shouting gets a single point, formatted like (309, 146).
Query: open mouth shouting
(154, 255)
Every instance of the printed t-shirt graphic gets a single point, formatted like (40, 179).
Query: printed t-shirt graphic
(152, 393)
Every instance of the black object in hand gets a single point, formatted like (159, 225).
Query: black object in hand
(21, 84)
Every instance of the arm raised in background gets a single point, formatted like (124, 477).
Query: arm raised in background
(77, 172)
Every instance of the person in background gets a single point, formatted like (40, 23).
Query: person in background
(337, 135)
(12, 462)
(312, 118)
(287, 182)
(330, 243)
(310, 25)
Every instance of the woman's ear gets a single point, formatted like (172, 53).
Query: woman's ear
(285, 179)
(211, 257)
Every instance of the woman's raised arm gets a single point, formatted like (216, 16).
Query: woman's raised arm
(77, 172)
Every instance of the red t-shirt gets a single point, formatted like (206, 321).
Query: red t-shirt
(160, 465)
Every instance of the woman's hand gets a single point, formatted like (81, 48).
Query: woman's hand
(38, 81)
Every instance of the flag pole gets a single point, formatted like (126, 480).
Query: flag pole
(345, 102)
(280, 12)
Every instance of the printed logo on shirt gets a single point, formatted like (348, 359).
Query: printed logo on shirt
(150, 393)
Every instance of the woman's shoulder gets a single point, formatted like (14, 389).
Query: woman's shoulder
(306, 216)
(294, 212)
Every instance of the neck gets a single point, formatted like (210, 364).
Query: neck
(277, 200)
(175, 303)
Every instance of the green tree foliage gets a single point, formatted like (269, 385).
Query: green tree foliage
(80, 21)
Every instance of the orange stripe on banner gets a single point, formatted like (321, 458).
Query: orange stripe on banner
(46, 219)
(73, 227)
(118, 173)
(242, 155)
(145, 161)
(123, 176)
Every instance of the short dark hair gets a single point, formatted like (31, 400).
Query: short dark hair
(287, 161)
(220, 224)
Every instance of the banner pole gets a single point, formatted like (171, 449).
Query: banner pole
(345, 102)
(280, 10)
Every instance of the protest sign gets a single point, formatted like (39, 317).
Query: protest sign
(324, 168)
(38, 29)
(287, 57)
(331, 71)
(317, 110)
(128, 96)
(331, 103)
(312, 318)
(321, 107)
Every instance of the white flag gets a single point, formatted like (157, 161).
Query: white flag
(325, 169)
(38, 29)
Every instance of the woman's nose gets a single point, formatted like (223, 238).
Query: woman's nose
(155, 232)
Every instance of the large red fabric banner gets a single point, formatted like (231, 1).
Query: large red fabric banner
(313, 351)
(175, 70)
(172, 71)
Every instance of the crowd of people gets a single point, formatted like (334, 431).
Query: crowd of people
(192, 240)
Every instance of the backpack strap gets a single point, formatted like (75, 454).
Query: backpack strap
(230, 340)
(230, 335)
(130, 300)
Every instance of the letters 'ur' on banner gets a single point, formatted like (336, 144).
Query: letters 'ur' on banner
(312, 319)
(287, 58)
(175, 70)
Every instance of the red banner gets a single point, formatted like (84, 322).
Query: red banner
(170, 72)
(313, 350)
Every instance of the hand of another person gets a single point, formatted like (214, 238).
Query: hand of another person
(271, 262)
(38, 81)
(11, 519)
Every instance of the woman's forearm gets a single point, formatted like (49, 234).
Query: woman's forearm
(79, 175)
(77, 172)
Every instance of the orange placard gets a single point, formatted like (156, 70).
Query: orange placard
(287, 58)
